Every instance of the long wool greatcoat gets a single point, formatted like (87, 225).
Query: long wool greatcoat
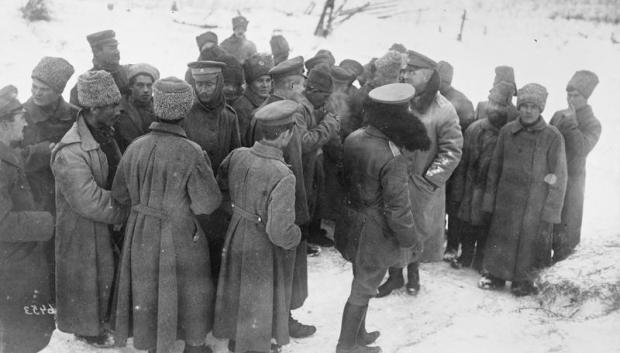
(579, 140)
(470, 177)
(44, 127)
(244, 106)
(164, 280)
(525, 188)
(24, 282)
(84, 251)
(255, 285)
(428, 173)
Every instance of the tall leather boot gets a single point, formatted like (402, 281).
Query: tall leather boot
(364, 337)
(413, 278)
(351, 320)
(394, 281)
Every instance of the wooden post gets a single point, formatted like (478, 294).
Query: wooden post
(320, 27)
(463, 18)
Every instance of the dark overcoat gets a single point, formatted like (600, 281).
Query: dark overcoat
(524, 192)
(470, 177)
(244, 106)
(580, 137)
(255, 285)
(26, 313)
(44, 127)
(135, 119)
(239, 47)
(378, 221)
(84, 250)
(164, 280)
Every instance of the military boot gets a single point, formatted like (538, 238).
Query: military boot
(351, 321)
(394, 281)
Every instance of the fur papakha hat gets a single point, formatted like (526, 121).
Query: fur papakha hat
(97, 88)
(142, 69)
(584, 82)
(389, 65)
(172, 98)
(507, 74)
(54, 72)
(256, 66)
(501, 93)
(532, 93)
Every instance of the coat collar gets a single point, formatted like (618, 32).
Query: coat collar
(7, 154)
(79, 133)
(486, 125)
(517, 126)
(253, 98)
(266, 151)
(168, 128)
(62, 111)
(373, 131)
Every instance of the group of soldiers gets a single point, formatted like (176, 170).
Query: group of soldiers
(164, 209)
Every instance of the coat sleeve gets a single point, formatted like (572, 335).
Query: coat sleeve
(23, 225)
(76, 183)
(120, 192)
(202, 188)
(235, 138)
(281, 228)
(493, 175)
(579, 139)
(556, 180)
(315, 138)
(396, 203)
(449, 145)
(459, 175)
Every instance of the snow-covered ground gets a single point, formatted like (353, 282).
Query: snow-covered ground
(450, 313)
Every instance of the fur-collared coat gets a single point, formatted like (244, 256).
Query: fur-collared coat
(524, 193)
(164, 288)
(26, 313)
(428, 172)
(580, 136)
(255, 284)
(84, 250)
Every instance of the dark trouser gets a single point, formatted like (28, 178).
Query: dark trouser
(215, 226)
(454, 233)
(474, 238)
(366, 281)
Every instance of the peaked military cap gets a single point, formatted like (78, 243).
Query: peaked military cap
(294, 66)
(420, 61)
(393, 93)
(277, 113)
(102, 38)
(205, 68)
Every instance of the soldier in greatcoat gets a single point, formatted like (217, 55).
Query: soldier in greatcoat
(581, 131)
(378, 223)
(237, 45)
(165, 289)
(254, 289)
(84, 163)
(524, 193)
(26, 310)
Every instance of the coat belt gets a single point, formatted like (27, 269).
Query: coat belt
(149, 211)
(247, 215)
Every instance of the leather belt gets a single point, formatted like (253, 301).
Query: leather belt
(149, 211)
(247, 215)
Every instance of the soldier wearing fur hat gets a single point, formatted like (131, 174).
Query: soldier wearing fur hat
(581, 131)
(524, 192)
(49, 117)
(166, 179)
(26, 314)
(237, 45)
(208, 50)
(84, 163)
(502, 74)
(254, 289)
(465, 112)
(106, 57)
(136, 108)
(469, 178)
(378, 223)
(258, 88)
(428, 171)
(279, 48)
(213, 125)
(233, 78)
